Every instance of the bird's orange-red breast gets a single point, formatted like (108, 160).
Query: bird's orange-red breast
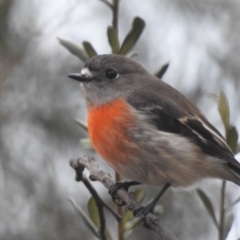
(108, 127)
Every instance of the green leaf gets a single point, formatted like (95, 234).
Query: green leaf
(234, 203)
(88, 222)
(213, 97)
(131, 224)
(86, 143)
(158, 209)
(127, 234)
(238, 148)
(139, 194)
(81, 124)
(89, 49)
(208, 205)
(74, 48)
(132, 55)
(223, 108)
(128, 215)
(162, 70)
(228, 221)
(232, 138)
(113, 39)
(94, 215)
(107, 3)
(93, 211)
(132, 37)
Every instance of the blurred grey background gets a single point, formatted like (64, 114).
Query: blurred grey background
(38, 105)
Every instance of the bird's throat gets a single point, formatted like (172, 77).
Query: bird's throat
(109, 126)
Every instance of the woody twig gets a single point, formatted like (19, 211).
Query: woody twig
(151, 221)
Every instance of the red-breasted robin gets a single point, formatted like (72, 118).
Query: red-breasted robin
(148, 131)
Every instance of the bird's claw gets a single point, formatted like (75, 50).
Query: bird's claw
(120, 185)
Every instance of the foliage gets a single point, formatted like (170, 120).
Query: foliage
(226, 214)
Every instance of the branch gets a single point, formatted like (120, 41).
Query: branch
(115, 5)
(99, 202)
(222, 212)
(91, 189)
(151, 221)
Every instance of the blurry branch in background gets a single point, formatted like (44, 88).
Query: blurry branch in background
(12, 45)
(226, 216)
(151, 221)
(5, 8)
(5, 51)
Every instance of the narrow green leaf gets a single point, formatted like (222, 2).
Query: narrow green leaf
(208, 205)
(234, 203)
(128, 215)
(74, 48)
(94, 215)
(107, 3)
(132, 55)
(89, 49)
(139, 194)
(93, 211)
(238, 148)
(213, 97)
(162, 70)
(223, 108)
(127, 234)
(86, 143)
(88, 222)
(158, 209)
(232, 138)
(81, 124)
(132, 37)
(228, 221)
(113, 39)
(131, 224)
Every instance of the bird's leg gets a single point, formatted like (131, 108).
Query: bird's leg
(143, 211)
(120, 185)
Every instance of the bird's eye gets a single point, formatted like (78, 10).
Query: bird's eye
(111, 74)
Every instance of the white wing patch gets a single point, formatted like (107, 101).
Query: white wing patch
(214, 134)
(217, 138)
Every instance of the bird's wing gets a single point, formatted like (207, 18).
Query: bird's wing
(181, 117)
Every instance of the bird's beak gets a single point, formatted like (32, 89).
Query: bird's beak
(79, 77)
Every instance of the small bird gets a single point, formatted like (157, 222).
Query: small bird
(146, 130)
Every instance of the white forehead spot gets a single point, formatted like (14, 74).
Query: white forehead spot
(86, 72)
